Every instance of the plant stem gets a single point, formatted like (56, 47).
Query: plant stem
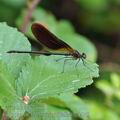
(27, 18)
(4, 117)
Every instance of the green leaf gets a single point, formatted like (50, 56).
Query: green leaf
(7, 90)
(71, 102)
(42, 77)
(10, 101)
(16, 110)
(11, 39)
(98, 114)
(37, 111)
(76, 105)
(110, 87)
(11, 65)
(62, 26)
(115, 79)
(47, 112)
(105, 87)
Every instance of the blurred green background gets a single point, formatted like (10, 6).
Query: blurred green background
(97, 24)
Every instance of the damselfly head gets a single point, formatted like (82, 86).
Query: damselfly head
(77, 55)
(83, 56)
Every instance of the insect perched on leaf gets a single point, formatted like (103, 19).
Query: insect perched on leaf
(54, 45)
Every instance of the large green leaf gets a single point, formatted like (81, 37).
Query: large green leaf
(47, 112)
(7, 88)
(76, 105)
(42, 77)
(71, 102)
(11, 64)
(11, 39)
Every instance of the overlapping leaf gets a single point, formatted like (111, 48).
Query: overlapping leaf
(11, 39)
(70, 102)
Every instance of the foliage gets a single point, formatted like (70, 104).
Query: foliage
(101, 16)
(107, 98)
(9, 10)
(37, 78)
(41, 78)
(71, 102)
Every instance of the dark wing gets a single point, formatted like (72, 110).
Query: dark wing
(48, 39)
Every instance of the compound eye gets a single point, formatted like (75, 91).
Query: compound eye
(84, 55)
